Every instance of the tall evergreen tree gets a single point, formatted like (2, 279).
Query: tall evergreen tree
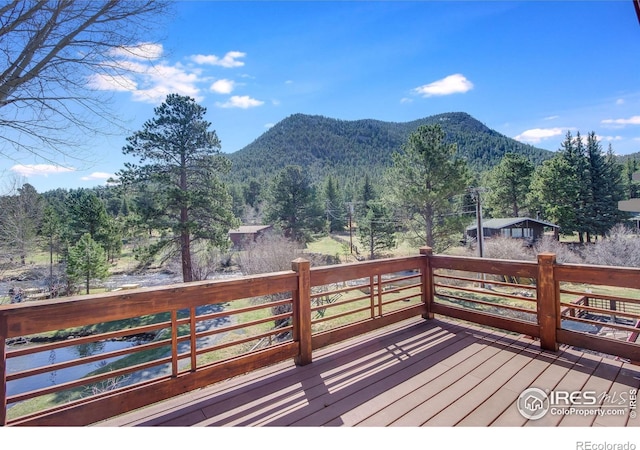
(87, 214)
(574, 153)
(293, 205)
(423, 182)
(631, 186)
(614, 181)
(597, 214)
(87, 260)
(554, 193)
(334, 207)
(180, 159)
(50, 229)
(376, 225)
(508, 185)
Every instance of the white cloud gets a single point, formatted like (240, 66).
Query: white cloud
(27, 170)
(238, 101)
(635, 120)
(406, 100)
(551, 117)
(609, 138)
(620, 101)
(98, 176)
(453, 84)
(162, 80)
(149, 82)
(143, 50)
(536, 135)
(223, 86)
(229, 60)
(104, 82)
(269, 125)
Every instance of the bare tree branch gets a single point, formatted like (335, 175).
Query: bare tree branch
(48, 51)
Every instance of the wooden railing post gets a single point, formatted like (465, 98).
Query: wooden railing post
(548, 304)
(302, 311)
(3, 371)
(427, 282)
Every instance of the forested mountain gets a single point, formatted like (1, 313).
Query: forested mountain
(348, 149)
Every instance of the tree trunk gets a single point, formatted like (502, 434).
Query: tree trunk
(187, 270)
(185, 244)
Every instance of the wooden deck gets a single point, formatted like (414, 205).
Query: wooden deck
(415, 373)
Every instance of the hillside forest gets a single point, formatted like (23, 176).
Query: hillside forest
(309, 177)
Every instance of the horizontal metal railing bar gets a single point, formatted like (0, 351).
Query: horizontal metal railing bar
(482, 265)
(616, 326)
(353, 271)
(86, 360)
(239, 326)
(485, 292)
(342, 290)
(480, 302)
(237, 342)
(245, 309)
(14, 353)
(401, 299)
(337, 316)
(402, 278)
(86, 380)
(476, 280)
(340, 303)
(401, 288)
(603, 311)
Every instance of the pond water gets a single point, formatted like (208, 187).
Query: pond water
(57, 356)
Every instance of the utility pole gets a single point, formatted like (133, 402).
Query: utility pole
(350, 228)
(479, 231)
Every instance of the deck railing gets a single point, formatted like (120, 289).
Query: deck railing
(194, 334)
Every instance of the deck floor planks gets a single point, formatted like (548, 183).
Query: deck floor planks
(548, 379)
(626, 380)
(344, 398)
(315, 392)
(434, 373)
(573, 381)
(463, 383)
(600, 381)
(368, 399)
(459, 409)
(443, 375)
(488, 411)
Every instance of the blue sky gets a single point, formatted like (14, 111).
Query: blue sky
(530, 70)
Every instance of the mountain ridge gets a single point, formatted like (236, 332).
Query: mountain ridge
(347, 149)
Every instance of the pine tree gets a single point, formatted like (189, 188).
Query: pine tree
(180, 162)
(377, 228)
(334, 207)
(509, 184)
(424, 181)
(554, 193)
(293, 205)
(87, 260)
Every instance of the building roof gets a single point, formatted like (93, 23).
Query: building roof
(506, 222)
(249, 229)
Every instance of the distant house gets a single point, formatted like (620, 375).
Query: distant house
(512, 227)
(247, 233)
